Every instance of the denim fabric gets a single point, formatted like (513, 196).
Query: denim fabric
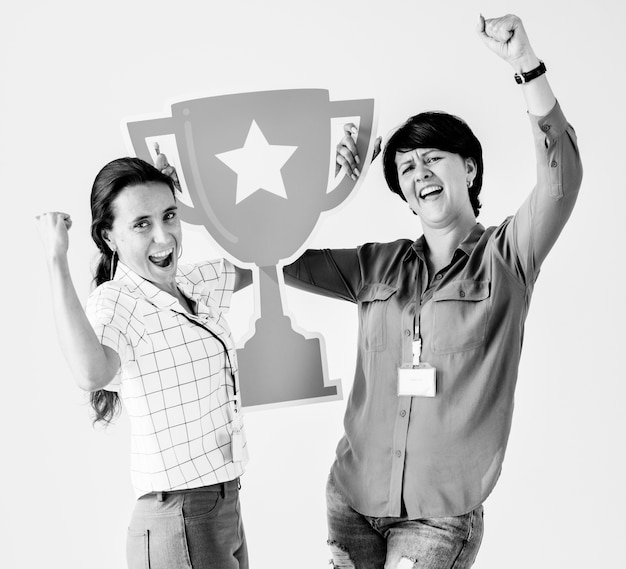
(188, 529)
(363, 542)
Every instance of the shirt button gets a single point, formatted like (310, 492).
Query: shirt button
(402, 413)
(553, 164)
(545, 127)
(398, 453)
(438, 277)
(407, 332)
(462, 294)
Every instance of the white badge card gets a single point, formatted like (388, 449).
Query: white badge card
(417, 380)
(236, 444)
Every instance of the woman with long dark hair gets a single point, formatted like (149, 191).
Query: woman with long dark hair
(153, 335)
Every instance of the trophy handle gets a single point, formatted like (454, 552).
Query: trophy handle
(138, 132)
(364, 108)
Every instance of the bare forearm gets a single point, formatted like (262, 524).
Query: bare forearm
(507, 37)
(538, 94)
(92, 364)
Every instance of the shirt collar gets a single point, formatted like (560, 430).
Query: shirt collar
(466, 246)
(152, 292)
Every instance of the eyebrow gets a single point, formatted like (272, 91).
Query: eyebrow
(410, 157)
(166, 210)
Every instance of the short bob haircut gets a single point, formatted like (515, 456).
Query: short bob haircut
(434, 129)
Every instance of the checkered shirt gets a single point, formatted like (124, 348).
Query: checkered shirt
(175, 380)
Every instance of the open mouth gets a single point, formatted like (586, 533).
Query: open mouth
(163, 259)
(430, 192)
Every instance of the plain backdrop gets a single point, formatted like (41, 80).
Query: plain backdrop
(71, 71)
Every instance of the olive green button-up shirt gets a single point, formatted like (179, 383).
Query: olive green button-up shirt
(442, 455)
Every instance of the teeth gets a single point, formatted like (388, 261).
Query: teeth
(429, 190)
(162, 254)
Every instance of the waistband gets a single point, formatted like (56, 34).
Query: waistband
(221, 487)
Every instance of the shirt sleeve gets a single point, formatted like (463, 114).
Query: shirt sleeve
(330, 272)
(110, 313)
(528, 237)
(214, 279)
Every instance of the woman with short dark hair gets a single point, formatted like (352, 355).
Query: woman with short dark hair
(441, 323)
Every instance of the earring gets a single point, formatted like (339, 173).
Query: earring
(112, 265)
(469, 184)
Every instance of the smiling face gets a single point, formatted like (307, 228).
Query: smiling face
(146, 232)
(435, 185)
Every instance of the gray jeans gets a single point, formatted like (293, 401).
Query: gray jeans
(188, 529)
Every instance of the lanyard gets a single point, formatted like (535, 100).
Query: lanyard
(417, 337)
(230, 365)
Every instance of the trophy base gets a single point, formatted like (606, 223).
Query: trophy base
(278, 365)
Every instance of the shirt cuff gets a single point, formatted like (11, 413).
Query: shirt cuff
(550, 126)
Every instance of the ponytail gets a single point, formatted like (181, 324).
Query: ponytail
(109, 183)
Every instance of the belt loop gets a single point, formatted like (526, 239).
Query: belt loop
(238, 483)
(160, 497)
(223, 489)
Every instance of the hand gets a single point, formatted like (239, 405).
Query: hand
(507, 38)
(165, 167)
(53, 228)
(347, 158)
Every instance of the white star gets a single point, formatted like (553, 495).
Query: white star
(258, 165)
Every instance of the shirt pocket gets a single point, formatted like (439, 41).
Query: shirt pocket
(374, 302)
(460, 314)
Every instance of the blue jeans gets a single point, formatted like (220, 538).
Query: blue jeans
(188, 529)
(363, 542)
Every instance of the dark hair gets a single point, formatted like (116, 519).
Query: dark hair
(109, 183)
(438, 130)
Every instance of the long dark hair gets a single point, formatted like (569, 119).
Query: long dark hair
(109, 183)
(439, 130)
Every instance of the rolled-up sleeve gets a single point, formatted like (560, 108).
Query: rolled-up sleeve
(539, 221)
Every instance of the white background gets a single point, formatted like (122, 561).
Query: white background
(70, 72)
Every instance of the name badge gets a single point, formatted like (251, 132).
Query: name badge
(417, 380)
(236, 445)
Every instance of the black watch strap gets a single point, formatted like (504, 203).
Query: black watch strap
(522, 78)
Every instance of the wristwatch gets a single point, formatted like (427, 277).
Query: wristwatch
(521, 78)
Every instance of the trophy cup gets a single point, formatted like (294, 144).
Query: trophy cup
(276, 364)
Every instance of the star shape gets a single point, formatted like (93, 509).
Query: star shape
(257, 165)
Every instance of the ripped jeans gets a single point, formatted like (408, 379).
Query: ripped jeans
(363, 542)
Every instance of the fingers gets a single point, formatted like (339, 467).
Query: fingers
(377, 147)
(171, 173)
(53, 229)
(350, 128)
(506, 37)
(351, 131)
(347, 158)
(500, 29)
(480, 25)
(345, 161)
(53, 218)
